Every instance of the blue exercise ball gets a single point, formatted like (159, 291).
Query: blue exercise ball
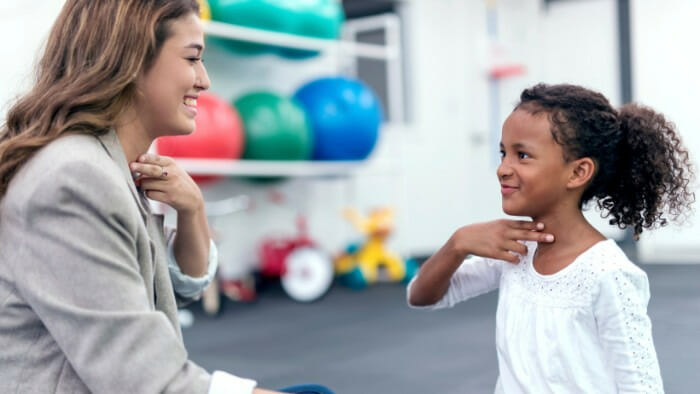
(345, 117)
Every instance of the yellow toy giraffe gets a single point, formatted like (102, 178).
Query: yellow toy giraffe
(361, 265)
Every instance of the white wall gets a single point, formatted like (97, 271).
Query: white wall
(666, 64)
(438, 171)
(25, 26)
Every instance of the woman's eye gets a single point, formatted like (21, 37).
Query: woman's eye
(523, 155)
(195, 59)
(502, 154)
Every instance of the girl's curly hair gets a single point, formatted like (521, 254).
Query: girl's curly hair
(643, 172)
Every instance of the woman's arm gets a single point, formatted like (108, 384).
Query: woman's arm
(78, 271)
(191, 245)
(163, 180)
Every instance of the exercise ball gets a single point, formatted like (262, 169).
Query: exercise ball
(204, 10)
(317, 19)
(272, 15)
(218, 134)
(275, 127)
(311, 18)
(345, 117)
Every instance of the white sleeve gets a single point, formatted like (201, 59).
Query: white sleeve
(225, 383)
(476, 276)
(186, 286)
(624, 329)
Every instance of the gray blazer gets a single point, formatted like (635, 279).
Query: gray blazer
(86, 301)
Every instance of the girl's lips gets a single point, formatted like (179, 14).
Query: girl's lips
(508, 190)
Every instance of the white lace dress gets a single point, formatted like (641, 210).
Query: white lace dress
(584, 329)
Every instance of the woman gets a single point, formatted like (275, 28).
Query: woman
(86, 299)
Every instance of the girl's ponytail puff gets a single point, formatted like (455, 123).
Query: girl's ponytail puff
(653, 172)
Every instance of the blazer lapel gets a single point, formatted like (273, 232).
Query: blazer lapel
(111, 144)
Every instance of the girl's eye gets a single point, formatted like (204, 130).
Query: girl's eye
(523, 155)
(502, 154)
(195, 59)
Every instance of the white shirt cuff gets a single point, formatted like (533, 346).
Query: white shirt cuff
(225, 383)
(187, 286)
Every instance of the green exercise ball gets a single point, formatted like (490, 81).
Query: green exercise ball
(275, 128)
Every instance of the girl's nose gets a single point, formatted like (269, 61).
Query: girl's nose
(503, 170)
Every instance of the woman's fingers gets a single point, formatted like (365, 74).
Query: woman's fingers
(154, 184)
(158, 196)
(150, 158)
(147, 170)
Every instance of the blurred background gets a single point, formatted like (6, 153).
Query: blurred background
(337, 133)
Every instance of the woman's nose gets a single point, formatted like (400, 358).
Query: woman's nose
(203, 82)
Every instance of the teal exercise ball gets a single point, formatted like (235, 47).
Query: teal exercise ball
(275, 127)
(316, 19)
(271, 15)
(310, 18)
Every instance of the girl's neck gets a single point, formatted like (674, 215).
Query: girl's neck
(571, 232)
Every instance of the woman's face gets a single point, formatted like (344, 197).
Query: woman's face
(167, 104)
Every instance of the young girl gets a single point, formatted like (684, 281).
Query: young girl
(87, 300)
(572, 308)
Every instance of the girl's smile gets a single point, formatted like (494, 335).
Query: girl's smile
(533, 172)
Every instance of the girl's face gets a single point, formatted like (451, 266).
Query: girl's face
(169, 89)
(533, 173)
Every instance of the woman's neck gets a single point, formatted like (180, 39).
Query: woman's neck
(133, 137)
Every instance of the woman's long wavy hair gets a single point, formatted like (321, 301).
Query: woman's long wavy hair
(86, 78)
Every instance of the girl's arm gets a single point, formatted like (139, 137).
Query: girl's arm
(494, 240)
(624, 329)
(433, 279)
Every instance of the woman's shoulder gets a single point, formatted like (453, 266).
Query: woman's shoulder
(70, 149)
(73, 162)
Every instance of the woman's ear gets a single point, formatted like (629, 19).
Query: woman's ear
(582, 171)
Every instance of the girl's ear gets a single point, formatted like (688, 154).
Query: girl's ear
(582, 171)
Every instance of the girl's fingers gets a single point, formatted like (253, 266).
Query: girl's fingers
(508, 256)
(537, 237)
(528, 225)
(529, 235)
(516, 247)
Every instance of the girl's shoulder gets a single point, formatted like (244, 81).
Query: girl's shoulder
(609, 259)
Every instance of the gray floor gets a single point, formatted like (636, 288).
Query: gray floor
(370, 342)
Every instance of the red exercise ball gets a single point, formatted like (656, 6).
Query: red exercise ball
(218, 134)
